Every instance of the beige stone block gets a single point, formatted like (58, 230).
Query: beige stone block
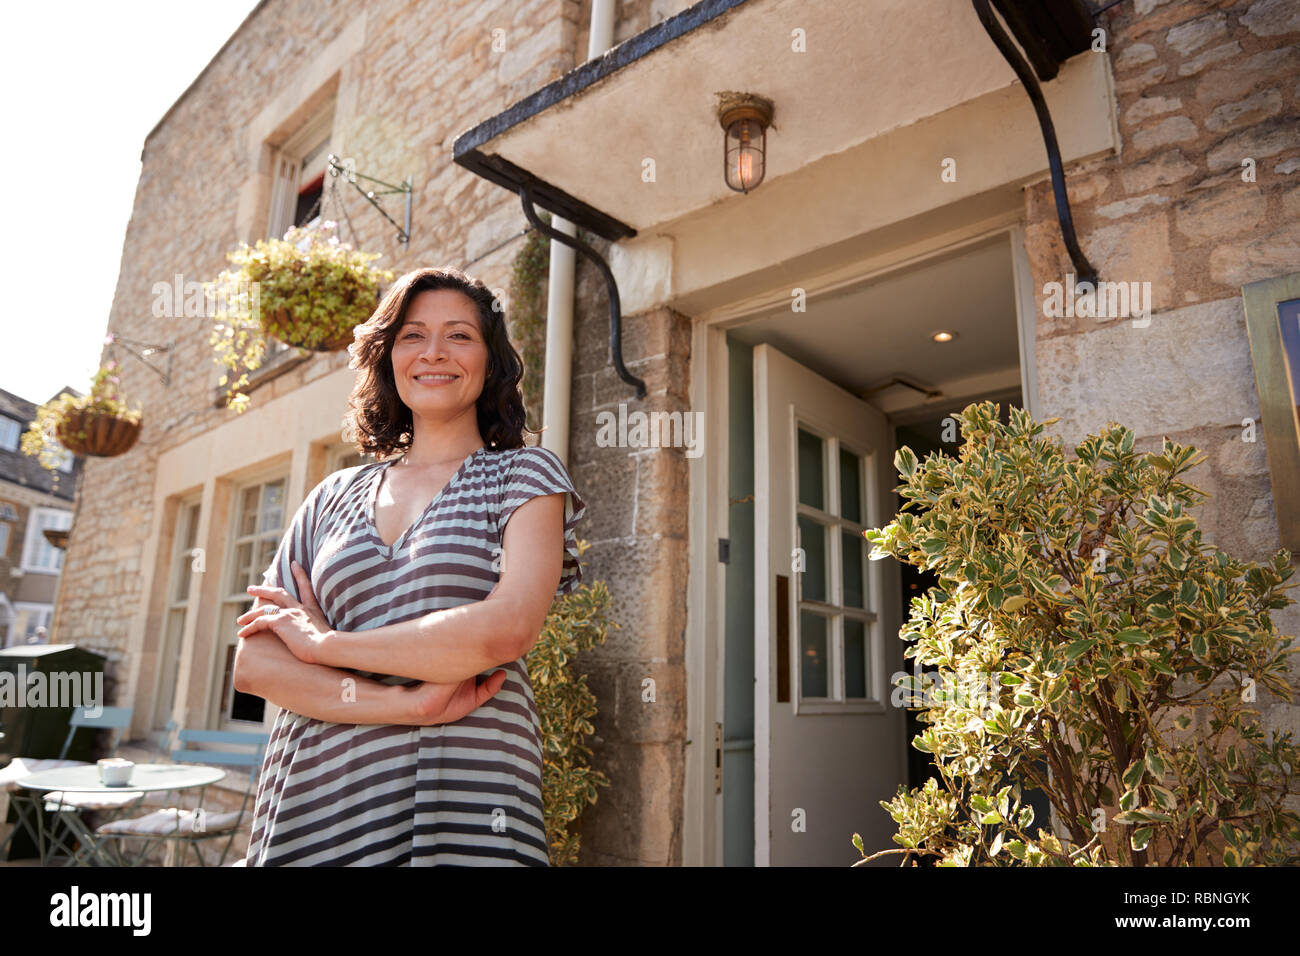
(1160, 170)
(1147, 106)
(1191, 36)
(1143, 80)
(1215, 55)
(1258, 142)
(1270, 18)
(1235, 264)
(1224, 212)
(1175, 129)
(1135, 251)
(1245, 112)
(1135, 54)
(1190, 367)
(1127, 207)
(1291, 200)
(1233, 83)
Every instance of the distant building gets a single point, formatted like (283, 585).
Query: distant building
(30, 503)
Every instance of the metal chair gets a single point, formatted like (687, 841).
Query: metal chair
(194, 826)
(117, 719)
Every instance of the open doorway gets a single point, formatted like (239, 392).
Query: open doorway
(818, 402)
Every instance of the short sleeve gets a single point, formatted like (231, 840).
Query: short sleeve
(297, 543)
(536, 471)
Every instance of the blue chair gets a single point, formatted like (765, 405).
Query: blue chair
(117, 719)
(194, 826)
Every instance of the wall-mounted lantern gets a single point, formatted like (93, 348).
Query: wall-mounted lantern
(745, 118)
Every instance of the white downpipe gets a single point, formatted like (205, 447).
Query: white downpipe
(559, 298)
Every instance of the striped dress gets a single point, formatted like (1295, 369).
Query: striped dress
(467, 793)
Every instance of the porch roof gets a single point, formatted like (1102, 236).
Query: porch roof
(581, 142)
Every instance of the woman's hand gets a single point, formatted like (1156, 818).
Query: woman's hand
(300, 625)
(446, 703)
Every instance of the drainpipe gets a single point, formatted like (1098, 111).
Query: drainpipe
(559, 297)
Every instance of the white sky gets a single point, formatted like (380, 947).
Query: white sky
(84, 82)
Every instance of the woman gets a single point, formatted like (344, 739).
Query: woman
(396, 586)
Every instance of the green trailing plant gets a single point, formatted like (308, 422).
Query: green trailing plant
(68, 418)
(577, 622)
(528, 314)
(308, 290)
(1120, 651)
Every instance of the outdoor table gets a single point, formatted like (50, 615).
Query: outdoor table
(145, 778)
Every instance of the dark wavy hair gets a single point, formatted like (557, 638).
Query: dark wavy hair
(378, 421)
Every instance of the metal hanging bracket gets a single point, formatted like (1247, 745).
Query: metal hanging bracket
(345, 168)
(144, 349)
(615, 309)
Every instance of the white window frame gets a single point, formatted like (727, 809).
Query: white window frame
(35, 540)
(315, 137)
(833, 607)
(230, 589)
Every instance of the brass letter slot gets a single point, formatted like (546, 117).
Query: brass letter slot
(782, 639)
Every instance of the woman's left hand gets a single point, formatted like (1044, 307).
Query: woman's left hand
(301, 626)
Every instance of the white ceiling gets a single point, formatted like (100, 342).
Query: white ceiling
(862, 337)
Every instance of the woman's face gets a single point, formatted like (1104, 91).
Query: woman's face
(439, 356)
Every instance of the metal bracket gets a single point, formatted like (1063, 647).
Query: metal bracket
(350, 175)
(1083, 268)
(130, 345)
(615, 312)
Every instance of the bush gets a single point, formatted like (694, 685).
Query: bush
(577, 622)
(1079, 592)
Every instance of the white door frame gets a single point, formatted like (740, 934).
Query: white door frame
(706, 588)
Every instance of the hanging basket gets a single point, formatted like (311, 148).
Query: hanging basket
(88, 432)
(280, 320)
(57, 539)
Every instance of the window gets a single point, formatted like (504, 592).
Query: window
(298, 189)
(65, 461)
(4, 539)
(1273, 324)
(185, 556)
(836, 621)
(38, 554)
(297, 192)
(9, 432)
(259, 519)
(28, 618)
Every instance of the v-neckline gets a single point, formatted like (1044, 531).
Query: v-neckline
(388, 550)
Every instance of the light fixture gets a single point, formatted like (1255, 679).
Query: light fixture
(943, 335)
(745, 118)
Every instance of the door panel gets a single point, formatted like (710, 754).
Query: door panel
(828, 746)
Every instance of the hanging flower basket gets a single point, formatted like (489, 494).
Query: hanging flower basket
(308, 290)
(98, 424)
(85, 431)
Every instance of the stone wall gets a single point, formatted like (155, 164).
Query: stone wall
(636, 522)
(427, 72)
(1201, 86)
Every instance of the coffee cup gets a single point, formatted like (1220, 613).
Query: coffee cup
(115, 771)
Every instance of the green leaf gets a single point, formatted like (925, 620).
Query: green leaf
(1133, 635)
(1078, 649)
(1141, 837)
(1133, 775)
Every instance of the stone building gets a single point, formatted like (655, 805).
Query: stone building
(793, 328)
(32, 501)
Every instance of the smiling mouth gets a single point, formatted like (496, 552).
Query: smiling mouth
(435, 378)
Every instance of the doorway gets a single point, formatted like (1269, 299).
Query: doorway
(807, 740)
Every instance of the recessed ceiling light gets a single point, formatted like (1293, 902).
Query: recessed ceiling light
(943, 336)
